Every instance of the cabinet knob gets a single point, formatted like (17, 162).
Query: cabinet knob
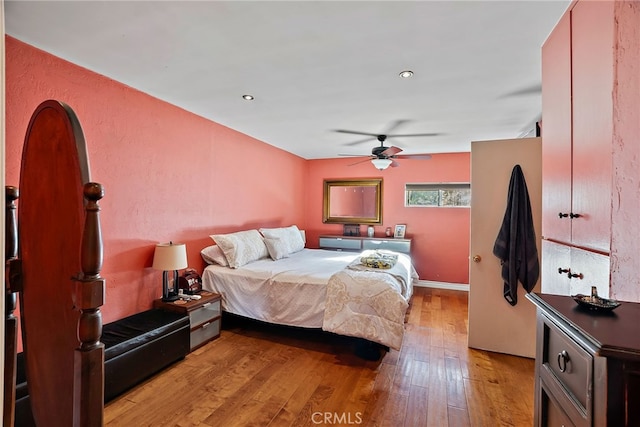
(570, 215)
(575, 275)
(476, 258)
(563, 358)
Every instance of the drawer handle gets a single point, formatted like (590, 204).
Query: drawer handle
(563, 358)
(208, 323)
(563, 270)
(562, 215)
(574, 275)
(206, 304)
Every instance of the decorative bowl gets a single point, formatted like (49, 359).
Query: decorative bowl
(595, 302)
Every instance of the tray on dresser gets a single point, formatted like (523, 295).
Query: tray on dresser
(595, 303)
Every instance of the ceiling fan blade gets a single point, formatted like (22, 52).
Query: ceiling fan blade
(413, 156)
(355, 132)
(396, 124)
(391, 151)
(360, 141)
(394, 164)
(361, 161)
(413, 134)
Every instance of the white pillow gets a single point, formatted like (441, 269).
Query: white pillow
(277, 248)
(290, 236)
(214, 255)
(242, 247)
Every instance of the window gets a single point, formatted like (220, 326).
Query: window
(442, 195)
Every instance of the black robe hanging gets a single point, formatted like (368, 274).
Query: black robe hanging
(515, 245)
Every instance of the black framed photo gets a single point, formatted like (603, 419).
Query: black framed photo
(351, 230)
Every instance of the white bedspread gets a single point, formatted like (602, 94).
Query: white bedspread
(290, 291)
(317, 288)
(369, 302)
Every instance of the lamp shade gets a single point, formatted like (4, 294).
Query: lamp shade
(170, 256)
(381, 163)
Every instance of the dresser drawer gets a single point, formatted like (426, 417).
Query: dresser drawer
(569, 364)
(340, 243)
(206, 313)
(205, 333)
(390, 245)
(552, 413)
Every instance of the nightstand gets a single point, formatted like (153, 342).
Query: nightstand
(205, 316)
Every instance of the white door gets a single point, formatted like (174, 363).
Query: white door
(494, 324)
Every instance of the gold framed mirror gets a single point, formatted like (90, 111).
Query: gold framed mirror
(352, 201)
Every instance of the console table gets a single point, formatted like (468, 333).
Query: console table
(587, 364)
(360, 243)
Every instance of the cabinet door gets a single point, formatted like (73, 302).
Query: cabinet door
(556, 261)
(592, 269)
(592, 26)
(556, 132)
(587, 269)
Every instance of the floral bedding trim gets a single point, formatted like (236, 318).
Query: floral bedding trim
(379, 260)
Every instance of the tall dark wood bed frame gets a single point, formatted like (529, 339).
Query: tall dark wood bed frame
(54, 256)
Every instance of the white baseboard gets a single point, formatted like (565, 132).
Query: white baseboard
(443, 285)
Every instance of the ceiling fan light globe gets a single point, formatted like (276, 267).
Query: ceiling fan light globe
(381, 163)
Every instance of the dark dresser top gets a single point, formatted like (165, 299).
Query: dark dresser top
(614, 333)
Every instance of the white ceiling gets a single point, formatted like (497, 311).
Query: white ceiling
(316, 67)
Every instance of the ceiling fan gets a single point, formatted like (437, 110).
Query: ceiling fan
(384, 135)
(382, 157)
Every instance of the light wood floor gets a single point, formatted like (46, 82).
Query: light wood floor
(260, 375)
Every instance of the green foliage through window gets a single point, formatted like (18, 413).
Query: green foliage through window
(440, 195)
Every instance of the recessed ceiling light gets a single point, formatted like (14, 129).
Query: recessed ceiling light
(406, 74)
(247, 97)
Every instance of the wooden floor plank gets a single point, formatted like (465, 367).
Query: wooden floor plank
(266, 376)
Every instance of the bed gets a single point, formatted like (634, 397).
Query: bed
(311, 288)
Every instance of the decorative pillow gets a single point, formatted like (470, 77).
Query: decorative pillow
(290, 236)
(214, 255)
(277, 248)
(242, 247)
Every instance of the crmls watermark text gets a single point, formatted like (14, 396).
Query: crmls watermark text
(334, 418)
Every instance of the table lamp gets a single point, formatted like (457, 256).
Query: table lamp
(170, 257)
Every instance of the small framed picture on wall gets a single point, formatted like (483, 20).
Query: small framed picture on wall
(400, 230)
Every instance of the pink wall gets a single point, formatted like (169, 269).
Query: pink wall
(625, 262)
(440, 236)
(171, 175)
(168, 174)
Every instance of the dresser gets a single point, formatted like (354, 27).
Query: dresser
(587, 364)
(357, 243)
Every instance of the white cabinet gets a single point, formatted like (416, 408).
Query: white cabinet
(577, 143)
(577, 127)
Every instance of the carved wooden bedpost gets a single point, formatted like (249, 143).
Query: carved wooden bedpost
(88, 297)
(12, 285)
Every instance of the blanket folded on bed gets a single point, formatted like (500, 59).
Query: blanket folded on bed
(369, 302)
(379, 259)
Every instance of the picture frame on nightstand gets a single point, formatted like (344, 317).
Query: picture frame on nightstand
(400, 231)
